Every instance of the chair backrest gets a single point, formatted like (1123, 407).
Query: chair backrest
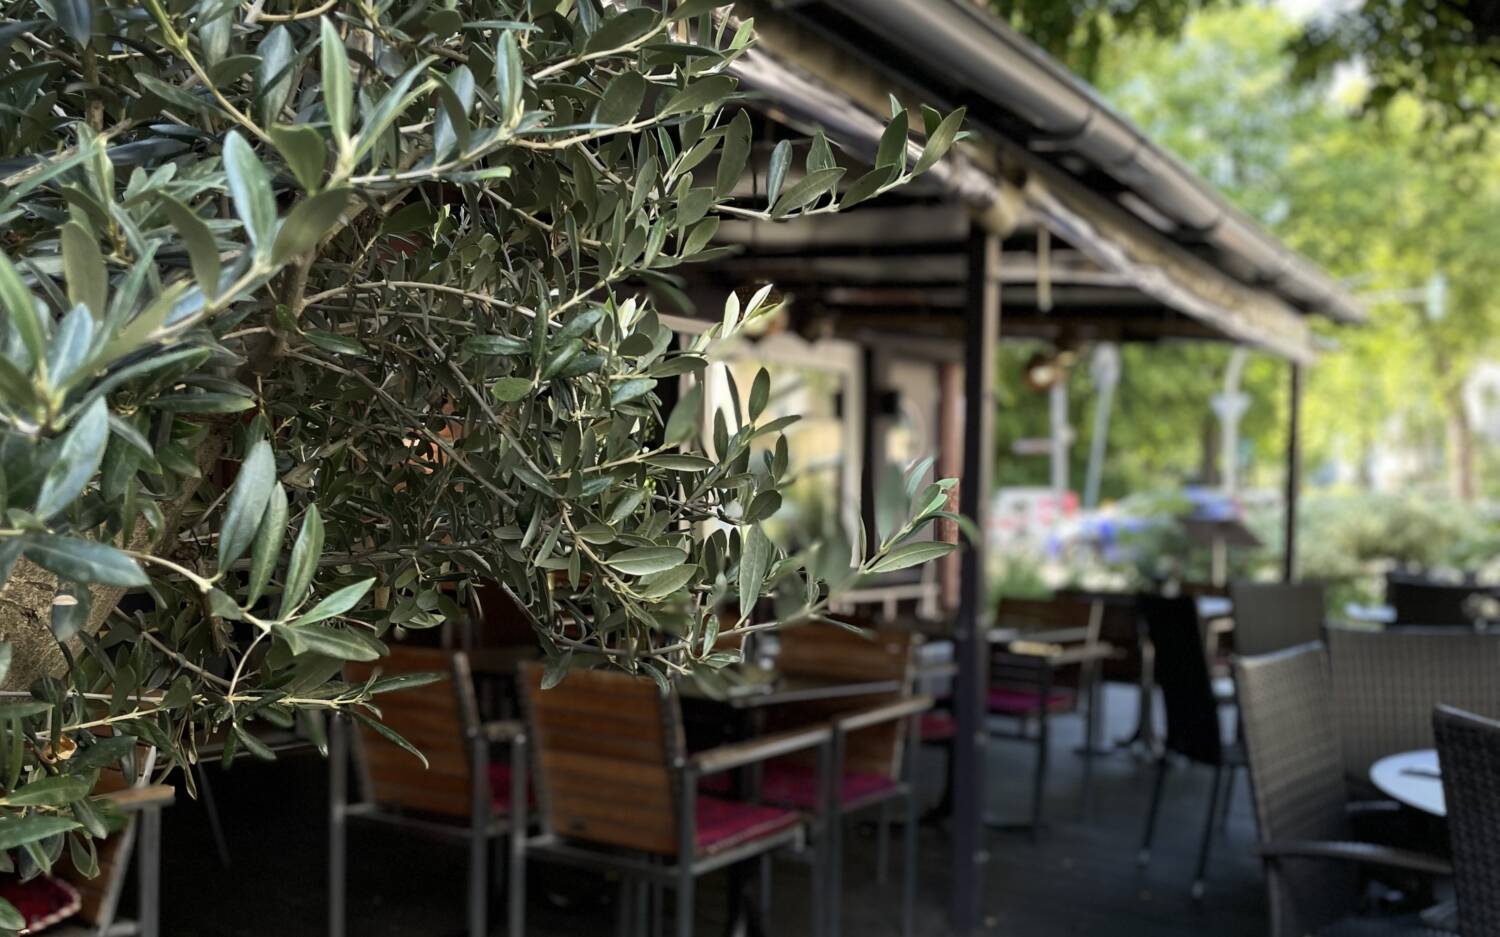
(1120, 626)
(436, 718)
(823, 651)
(1469, 752)
(1058, 612)
(1181, 670)
(1419, 601)
(1386, 683)
(608, 747)
(1273, 616)
(1296, 781)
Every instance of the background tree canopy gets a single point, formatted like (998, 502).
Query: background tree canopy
(1442, 52)
(314, 317)
(1382, 203)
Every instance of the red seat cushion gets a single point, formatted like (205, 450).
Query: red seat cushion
(500, 777)
(938, 726)
(43, 901)
(796, 785)
(1017, 702)
(724, 824)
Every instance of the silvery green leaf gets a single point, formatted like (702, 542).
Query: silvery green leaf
(247, 502)
(77, 460)
(83, 560)
(250, 187)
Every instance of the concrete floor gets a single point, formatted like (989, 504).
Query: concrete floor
(1078, 877)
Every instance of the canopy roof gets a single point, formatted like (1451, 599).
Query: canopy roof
(1107, 236)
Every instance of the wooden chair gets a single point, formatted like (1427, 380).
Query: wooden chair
(464, 793)
(142, 803)
(1032, 679)
(869, 743)
(617, 790)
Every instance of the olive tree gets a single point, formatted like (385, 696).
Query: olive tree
(314, 316)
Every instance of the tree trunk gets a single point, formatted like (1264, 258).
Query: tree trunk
(26, 598)
(1462, 467)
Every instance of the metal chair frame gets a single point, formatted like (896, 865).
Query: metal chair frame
(905, 791)
(142, 838)
(676, 872)
(1039, 672)
(483, 828)
(1201, 744)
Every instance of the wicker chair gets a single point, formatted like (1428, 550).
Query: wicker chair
(1469, 751)
(1193, 729)
(1301, 803)
(1273, 616)
(1386, 683)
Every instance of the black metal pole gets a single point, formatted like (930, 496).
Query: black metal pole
(981, 333)
(1293, 475)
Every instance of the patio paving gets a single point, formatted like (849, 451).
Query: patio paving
(1078, 877)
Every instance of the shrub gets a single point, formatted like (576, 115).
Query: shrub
(315, 315)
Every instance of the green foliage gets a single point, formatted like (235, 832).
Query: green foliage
(1078, 32)
(1382, 205)
(1445, 54)
(377, 279)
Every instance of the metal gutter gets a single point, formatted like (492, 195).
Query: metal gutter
(1107, 233)
(984, 56)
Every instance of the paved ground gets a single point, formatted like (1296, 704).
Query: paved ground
(1078, 877)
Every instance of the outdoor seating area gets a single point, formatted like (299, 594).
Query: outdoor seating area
(920, 468)
(798, 803)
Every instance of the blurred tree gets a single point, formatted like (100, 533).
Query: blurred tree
(1369, 200)
(1444, 52)
(1078, 31)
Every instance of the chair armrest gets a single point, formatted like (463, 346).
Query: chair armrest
(1366, 808)
(131, 799)
(762, 748)
(1362, 853)
(500, 730)
(889, 712)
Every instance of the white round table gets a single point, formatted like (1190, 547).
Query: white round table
(1412, 778)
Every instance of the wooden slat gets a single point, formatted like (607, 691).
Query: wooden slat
(432, 718)
(603, 755)
(828, 652)
(1043, 614)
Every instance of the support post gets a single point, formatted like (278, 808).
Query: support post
(870, 453)
(1293, 474)
(338, 798)
(971, 649)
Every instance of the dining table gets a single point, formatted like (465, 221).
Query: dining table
(1413, 779)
